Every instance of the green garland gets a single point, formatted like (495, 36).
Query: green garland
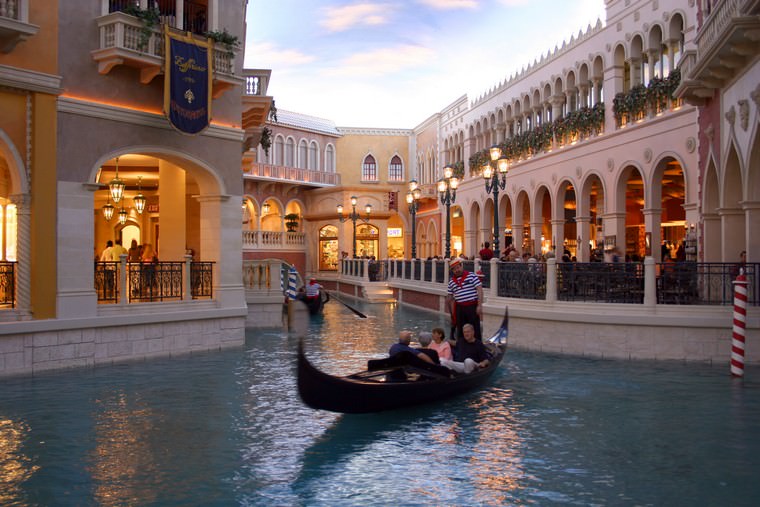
(230, 42)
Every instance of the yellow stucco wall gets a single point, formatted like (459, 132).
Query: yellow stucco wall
(43, 206)
(40, 52)
(351, 150)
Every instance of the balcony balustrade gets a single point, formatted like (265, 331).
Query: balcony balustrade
(256, 102)
(124, 41)
(273, 240)
(14, 24)
(308, 177)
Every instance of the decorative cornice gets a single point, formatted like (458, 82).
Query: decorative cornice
(143, 118)
(30, 80)
(374, 132)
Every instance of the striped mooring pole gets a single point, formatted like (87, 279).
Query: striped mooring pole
(740, 322)
(292, 280)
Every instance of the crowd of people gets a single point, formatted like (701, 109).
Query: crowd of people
(136, 253)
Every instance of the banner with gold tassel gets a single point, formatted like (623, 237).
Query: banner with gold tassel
(188, 82)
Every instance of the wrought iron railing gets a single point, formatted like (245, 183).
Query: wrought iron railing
(7, 284)
(152, 281)
(705, 283)
(522, 280)
(602, 282)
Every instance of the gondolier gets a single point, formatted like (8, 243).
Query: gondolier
(312, 289)
(465, 298)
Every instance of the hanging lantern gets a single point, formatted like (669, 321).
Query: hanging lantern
(123, 216)
(116, 187)
(108, 210)
(139, 199)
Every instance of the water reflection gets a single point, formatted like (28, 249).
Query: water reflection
(15, 467)
(123, 460)
(499, 453)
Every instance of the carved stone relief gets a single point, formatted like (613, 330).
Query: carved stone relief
(655, 5)
(636, 16)
(648, 155)
(691, 144)
(744, 114)
(731, 115)
(578, 172)
(755, 95)
(610, 164)
(554, 178)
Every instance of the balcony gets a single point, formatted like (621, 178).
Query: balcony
(14, 24)
(256, 103)
(726, 42)
(268, 172)
(273, 240)
(123, 41)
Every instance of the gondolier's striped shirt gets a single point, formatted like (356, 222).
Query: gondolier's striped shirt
(465, 288)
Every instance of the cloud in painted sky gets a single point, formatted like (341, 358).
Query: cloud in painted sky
(268, 54)
(338, 19)
(382, 61)
(450, 4)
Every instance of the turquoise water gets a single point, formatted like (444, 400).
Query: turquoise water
(227, 428)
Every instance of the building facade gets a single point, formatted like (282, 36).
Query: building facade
(82, 94)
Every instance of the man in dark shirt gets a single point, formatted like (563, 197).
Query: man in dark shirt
(470, 353)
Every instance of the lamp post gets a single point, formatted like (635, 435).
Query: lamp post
(354, 216)
(412, 199)
(495, 181)
(447, 189)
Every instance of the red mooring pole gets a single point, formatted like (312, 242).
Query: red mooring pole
(740, 322)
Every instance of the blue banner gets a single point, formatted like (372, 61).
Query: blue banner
(187, 86)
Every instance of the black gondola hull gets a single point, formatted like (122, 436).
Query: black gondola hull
(354, 394)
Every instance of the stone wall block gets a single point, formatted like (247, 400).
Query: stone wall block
(11, 344)
(70, 336)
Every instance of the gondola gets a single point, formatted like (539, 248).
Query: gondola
(315, 305)
(394, 382)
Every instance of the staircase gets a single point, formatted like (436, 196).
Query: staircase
(378, 293)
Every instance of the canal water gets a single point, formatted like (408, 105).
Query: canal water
(227, 428)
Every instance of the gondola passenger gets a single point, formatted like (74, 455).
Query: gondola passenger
(404, 339)
(441, 345)
(470, 354)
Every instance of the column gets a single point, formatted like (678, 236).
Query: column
(74, 283)
(517, 237)
(557, 101)
(614, 225)
(221, 243)
(584, 95)
(752, 216)
(470, 243)
(582, 225)
(652, 219)
(598, 91)
(711, 237)
(535, 235)
(501, 132)
(733, 237)
(636, 74)
(23, 253)
(570, 99)
(558, 237)
(172, 206)
(551, 280)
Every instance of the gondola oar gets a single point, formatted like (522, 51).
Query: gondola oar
(357, 312)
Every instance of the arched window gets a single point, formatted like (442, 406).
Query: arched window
(328, 248)
(279, 151)
(303, 154)
(330, 159)
(369, 169)
(396, 169)
(314, 156)
(367, 240)
(290, 152)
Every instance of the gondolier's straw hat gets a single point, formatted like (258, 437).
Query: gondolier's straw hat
(454, 262)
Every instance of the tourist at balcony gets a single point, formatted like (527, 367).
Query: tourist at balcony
(117, 251)
(105, 255)
(486, 254)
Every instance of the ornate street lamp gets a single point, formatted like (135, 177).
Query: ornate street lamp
(495, 181)
(354, 216)
(412, 199)
(108, 210)
(447, 188)
(140, 200)
(116, 187)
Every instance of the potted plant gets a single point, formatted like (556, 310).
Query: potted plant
(291, 221)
